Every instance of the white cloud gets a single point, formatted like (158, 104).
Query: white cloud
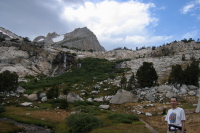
(110, 17)
(187, 8)
(114, 22)
(191, 7)
(146, 39)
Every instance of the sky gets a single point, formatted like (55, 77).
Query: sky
(116, 23)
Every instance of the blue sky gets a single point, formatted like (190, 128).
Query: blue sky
(116, 23)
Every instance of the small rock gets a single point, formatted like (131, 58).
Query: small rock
(104, 106)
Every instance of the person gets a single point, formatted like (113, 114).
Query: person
(175, 118)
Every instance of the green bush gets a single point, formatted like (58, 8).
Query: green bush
(63, 104)
(123, 118)
(83, 123)
(2, 109)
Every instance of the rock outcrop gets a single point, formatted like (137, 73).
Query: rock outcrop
(123, 96)
(29, 59)
(7, 35)
(80, 38)
(72, 97)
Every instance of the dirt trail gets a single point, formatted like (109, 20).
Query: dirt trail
(149, 127)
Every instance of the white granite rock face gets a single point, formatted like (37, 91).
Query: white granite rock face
(123, 96)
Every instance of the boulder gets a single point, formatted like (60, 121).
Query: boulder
(184, 87)
(198, 106)
(170, 94)
(90, 100)
(72, 97)
(26, 104)
(33, 97)
(104, 106)
(42, 94)
(108, 98)
(192, 93)
(94, 92)
(123, 96)
(99, 99)
(148, 114)
(183, 91)
(164, 88)
(20, 89)
(62, 96)
(192, 87)
(44, 99)
(150, 97)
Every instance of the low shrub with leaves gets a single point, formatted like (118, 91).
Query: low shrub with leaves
(2, 109)
(83, 123)
(123, 118)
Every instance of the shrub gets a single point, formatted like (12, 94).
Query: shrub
(2, 109)
(83, 123)
(123, 118)
(63, 104)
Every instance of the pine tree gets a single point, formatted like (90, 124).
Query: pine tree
(176, 75)
(146, 75)
(191, 73)
(8, 81)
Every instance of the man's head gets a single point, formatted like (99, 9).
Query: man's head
(174, 102)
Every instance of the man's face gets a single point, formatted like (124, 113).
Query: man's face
(174, 102)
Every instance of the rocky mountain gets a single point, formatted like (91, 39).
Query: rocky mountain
(31, 58)
(7, 35)
(80, 38)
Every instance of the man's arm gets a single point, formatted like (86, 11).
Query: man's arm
(183, 126)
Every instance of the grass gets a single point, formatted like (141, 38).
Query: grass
(123, 118)
(48, 118)
(9, 127)
(56, 119)
(116, 120)
(122, 128)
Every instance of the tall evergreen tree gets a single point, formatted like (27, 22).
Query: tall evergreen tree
(176, 75)
(8, 81)
(191, 73)
(146, 75)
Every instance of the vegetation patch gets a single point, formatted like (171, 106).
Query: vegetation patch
(123, 118)
(9, 127)
(83, 123)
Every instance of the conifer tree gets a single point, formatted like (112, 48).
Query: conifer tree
(146, 75)
(191, 73)
(176, 75)
(8, 81)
